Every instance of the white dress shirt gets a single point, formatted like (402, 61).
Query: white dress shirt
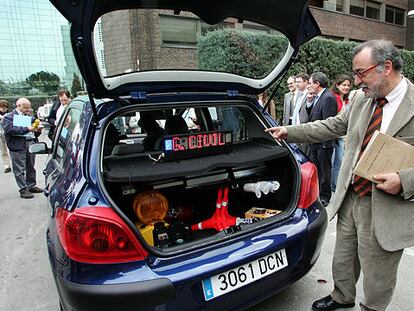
(59, 113)
(394, 98)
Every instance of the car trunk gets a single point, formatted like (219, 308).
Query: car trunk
(184, 201)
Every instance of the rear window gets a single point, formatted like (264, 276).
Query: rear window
(136, 40)
(147, 130)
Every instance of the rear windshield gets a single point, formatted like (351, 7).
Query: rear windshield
(155, 130)
(143, 39)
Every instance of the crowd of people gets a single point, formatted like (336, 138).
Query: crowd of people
(310, 99)
(333, 126)
(374, 220)
(18, 130)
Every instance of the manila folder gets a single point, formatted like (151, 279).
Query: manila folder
(384, 154)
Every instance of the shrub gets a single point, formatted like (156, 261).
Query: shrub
(240, 52)
(253, 55)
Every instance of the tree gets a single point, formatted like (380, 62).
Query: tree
(4, 89)
(46, 82)
(76, 85)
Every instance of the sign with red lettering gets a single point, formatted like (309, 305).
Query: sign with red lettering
(184, 146)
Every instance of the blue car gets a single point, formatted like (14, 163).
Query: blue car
(164, 189)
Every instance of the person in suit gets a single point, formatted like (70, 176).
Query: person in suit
(300, 115)
(375, 220)
(4, 107)
(19, 138)
(301, 81)
(323, 106)
(289, 101)
(63, 99)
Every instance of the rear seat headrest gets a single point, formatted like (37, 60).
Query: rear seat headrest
(124, 149)
(175, 125)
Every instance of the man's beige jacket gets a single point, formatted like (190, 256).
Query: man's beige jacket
(392, 215)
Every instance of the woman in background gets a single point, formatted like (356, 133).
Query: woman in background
(4, 108)
(341, 90)
(271, 108)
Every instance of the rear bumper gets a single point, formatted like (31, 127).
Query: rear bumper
(245, 298)
(125, 297)
(316, 233)
(147, 295)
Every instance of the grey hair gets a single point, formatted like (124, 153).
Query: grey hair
(381, 51)
(321, 78)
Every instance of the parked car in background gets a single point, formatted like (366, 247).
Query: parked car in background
(170, 216)
(44, 111)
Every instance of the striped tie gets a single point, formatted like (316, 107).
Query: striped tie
(361, 185)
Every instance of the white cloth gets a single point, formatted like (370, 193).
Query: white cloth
(299, 100)
(394, 98)
(59, 113)
(190, 118)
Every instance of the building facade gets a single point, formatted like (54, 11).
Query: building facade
(410, 28)
(156, 39)
(361, 20)
(34, 37)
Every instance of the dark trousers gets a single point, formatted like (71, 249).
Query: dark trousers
(23, 169)
(322, 157)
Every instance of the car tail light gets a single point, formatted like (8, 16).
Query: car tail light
(309, 188)
(97, 235)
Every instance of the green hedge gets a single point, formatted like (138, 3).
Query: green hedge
(240, 52)
(252, 54)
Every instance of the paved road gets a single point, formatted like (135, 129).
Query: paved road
(26, 281)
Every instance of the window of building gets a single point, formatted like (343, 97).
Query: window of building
(399, 16)
(330, 5)
(339, 5)
(356, 7)
(179, 30)
(365, 8)
(394, 15)
(373, 10)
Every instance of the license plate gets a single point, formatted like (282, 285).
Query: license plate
(230, 280)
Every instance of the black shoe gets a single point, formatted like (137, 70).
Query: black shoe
(328, 303)
(7, 170)
(36, 189)
(25, 194)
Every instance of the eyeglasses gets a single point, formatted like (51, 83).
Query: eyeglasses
(361, 73)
